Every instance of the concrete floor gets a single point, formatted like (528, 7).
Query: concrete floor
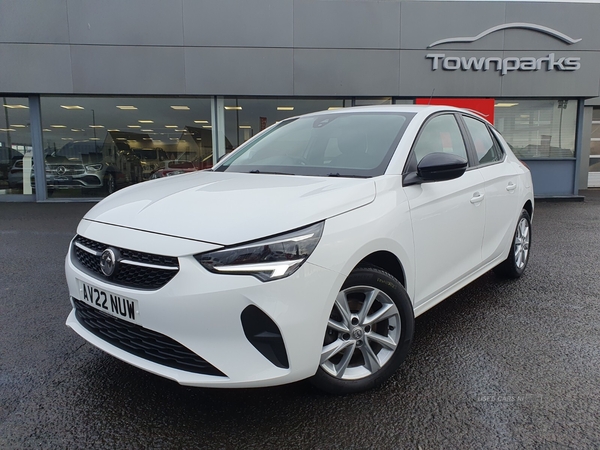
(501, 364)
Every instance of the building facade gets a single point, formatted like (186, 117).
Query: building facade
(100, 95)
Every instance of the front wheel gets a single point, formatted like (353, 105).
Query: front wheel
(110, 183)
(368, 334)
(518, 257)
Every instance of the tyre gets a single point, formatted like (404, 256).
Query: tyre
(369, 333)
(518, 257)
(110, 183)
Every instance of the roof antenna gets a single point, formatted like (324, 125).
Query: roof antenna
(431, 97)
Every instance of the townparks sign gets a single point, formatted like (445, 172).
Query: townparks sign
(505, 65)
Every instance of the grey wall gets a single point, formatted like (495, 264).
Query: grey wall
(285, 47)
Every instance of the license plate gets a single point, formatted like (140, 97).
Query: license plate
(113, 304)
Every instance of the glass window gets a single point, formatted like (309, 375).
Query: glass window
(440, 134)
(245, 117)
(594, 170)
(373, 101)
(96, 145)
(538, 128)
(487, 151)
(338, 144)
(16, 162)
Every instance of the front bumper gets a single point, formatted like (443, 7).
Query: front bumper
(67, 182)
(202, 311)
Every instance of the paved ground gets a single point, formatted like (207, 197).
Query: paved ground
(498, 365)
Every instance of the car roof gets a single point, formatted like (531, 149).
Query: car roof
(413, 109)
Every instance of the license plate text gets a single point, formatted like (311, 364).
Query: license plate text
(116, 305)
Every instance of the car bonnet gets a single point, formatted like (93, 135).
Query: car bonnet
(228, 208)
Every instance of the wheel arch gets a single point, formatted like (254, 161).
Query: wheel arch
(528, 206)
(387, 261)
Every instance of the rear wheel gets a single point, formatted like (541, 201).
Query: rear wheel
(518, 257)
(110, 183)
(368, 335)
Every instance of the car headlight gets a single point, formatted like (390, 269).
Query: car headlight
(269, 259)
(93, 167)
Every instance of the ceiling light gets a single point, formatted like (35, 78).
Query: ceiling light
(94, 139)
(72, 107)
(16, 106)
(285, 108)
(7, 129)
(96, 126)
(58, 126)
(200, 121)
(114, 129)
(146, 121)
(234, 108)
(46, 129)
(207, 126)
(121, 139)
(179, 130)
(147, 130)
(181, 107)
(126, 107)
(76, 129)
(245, 127)
(335, 107)
(171, 126)
(134, 126)
(505, 105)
(18, 126)
(67, 139)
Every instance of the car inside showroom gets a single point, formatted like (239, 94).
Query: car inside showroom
(94, 103)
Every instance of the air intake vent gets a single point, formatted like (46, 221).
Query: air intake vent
(142, 342)
(264, 334)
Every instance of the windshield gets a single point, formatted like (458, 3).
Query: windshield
(346, 144)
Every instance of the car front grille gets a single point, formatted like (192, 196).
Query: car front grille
(65, 169)
(134, 269)
(141, 342)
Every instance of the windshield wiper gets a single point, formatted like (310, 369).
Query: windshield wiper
(339, 175)
(270, 173)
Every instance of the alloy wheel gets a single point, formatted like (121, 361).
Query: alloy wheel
(521, 247)
(363, 332)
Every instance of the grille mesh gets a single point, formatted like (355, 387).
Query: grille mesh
(70, 169)
(127, 274)
(141, 342)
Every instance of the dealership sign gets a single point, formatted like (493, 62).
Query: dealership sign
(505, 65)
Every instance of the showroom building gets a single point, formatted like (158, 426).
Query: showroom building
(100, 95)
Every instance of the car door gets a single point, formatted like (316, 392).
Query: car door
(501, 188)
(448, 217)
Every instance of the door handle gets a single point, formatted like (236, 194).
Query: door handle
(477, 198)
(511, 187)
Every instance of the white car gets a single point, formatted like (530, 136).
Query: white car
(306, 253)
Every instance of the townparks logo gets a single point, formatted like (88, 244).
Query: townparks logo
(509, 64)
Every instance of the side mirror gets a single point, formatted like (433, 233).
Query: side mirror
(437, 167)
